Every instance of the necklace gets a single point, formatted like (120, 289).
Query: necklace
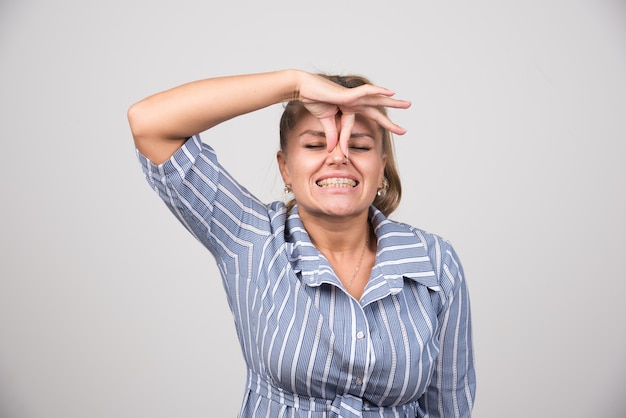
(358, 266)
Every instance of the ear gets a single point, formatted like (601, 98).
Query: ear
(281, 158)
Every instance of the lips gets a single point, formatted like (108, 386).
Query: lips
(336, 182)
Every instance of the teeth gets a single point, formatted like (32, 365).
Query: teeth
(336, 182)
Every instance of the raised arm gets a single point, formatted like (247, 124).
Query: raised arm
(161, 123)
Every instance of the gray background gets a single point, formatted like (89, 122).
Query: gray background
(515, 152)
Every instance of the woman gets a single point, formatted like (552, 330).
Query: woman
(340, 312)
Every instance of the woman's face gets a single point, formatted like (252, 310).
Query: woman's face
(325, 183)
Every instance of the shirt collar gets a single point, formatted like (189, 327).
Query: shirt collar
(305, 259)
(401, 254)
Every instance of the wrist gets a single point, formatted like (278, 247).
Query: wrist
(293, 79)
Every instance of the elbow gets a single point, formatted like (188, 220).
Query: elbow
(147, 133)
(141, 124)
(140, 127)
(136, 120)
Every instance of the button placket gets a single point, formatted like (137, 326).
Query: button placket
(360, 341)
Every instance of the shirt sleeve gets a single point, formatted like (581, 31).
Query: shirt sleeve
(453, 386)
(203, 196)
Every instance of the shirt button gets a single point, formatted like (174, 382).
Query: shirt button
(358, 381)
(360, 335)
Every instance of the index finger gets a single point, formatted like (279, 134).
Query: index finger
(347, 123)
(330, 130)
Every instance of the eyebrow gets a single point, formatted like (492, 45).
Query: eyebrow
(322, 134)
(361, 135)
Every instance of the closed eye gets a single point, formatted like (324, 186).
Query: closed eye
(361, 142)
(360, 148)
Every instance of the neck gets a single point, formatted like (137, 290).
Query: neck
(350, 248)
(338, 235)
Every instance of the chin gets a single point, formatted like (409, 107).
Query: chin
(344, 210)
(333, 205)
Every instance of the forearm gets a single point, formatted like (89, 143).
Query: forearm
(162, 122)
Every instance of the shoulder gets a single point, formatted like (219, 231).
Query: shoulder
(442, 256)
(434, 244)
(395, 232)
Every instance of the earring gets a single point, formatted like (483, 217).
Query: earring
(287, 188)
(382, 190)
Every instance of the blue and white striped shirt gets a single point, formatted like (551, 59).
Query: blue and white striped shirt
(311, 349)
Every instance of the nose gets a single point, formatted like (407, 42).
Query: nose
(336, 156)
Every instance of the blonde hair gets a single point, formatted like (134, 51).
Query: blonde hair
(386, 202)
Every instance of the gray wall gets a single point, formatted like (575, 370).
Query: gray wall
(108, 308)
